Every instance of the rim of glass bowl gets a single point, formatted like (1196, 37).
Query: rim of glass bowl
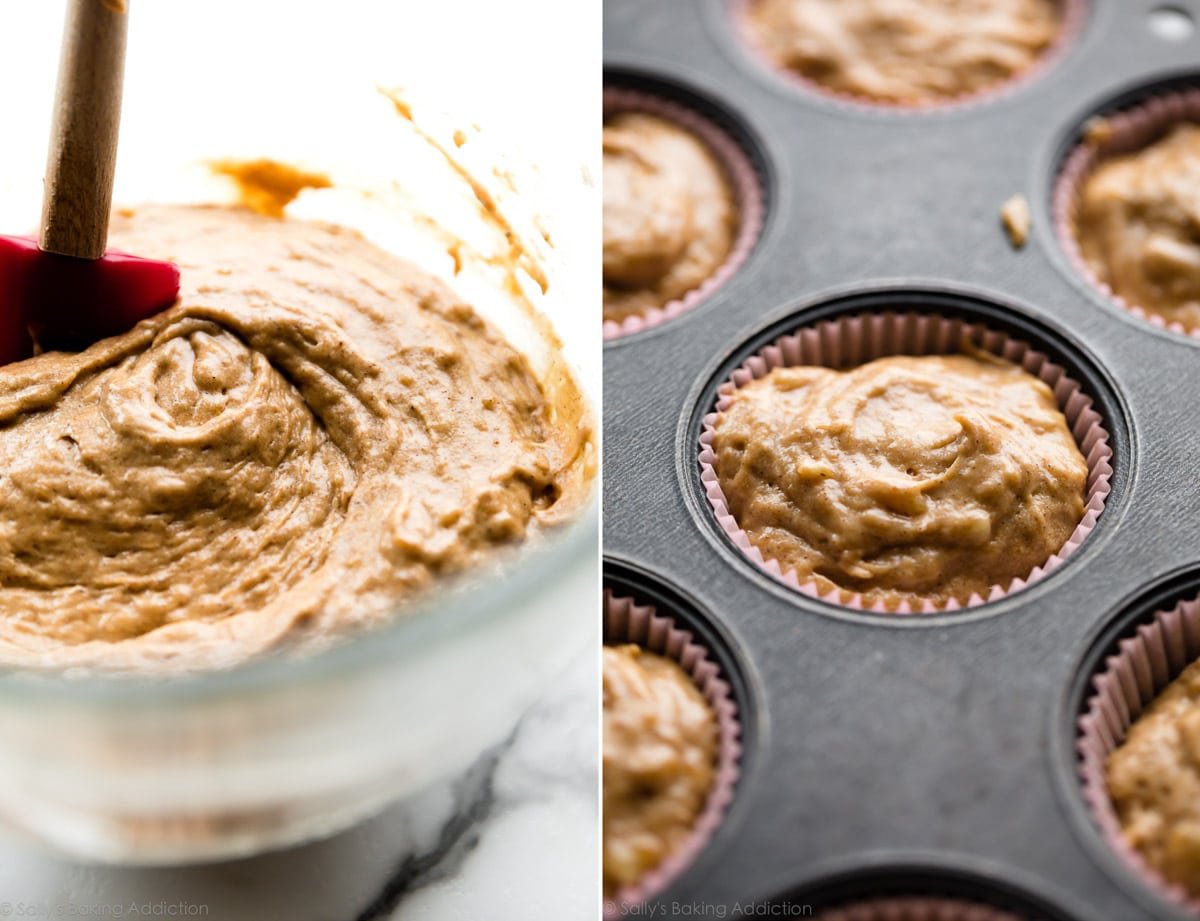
(444, 614)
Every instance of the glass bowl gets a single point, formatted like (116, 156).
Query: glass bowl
(141, 770)
(148, 771)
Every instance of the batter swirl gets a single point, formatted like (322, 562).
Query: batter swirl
(906, 479)
(314, 432)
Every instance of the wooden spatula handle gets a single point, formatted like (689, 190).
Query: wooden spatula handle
(83, 137)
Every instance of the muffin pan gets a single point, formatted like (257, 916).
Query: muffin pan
(936, 745)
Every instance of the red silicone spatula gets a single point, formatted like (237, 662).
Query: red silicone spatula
(62, 290)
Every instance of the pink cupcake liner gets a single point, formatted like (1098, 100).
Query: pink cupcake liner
(625, 621)
(1141, 668)
(917, 908)
(1125, 132)
(743, 177)
(853, 340)
(1073, 18)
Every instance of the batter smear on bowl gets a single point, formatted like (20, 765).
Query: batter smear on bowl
(906, 479)
(315, 431)
(905, 51)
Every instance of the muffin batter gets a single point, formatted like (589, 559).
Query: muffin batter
(669, 214)
(1138, 226)
(901, 51)
(315, 431)
(908, 479)
(1154, 782)
(660, 751)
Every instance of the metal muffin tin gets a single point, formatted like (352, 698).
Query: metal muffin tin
(931, 753)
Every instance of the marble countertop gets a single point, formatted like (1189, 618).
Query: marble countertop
(516, 838)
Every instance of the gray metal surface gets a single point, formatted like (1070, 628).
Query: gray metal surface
(884, 749)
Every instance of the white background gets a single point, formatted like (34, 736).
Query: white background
(296, 81)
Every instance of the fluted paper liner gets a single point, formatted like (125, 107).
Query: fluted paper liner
(625, 621)
(1074, 15)
(917, 908)
(743, 179)
(857, 339)
(1141, 668)
(1124, 132)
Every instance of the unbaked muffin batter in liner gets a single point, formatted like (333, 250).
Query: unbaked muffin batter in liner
(854, 340)
(626, 621)
(1128, 682)
(1124, 132)
(743, 179)
(1074, 16)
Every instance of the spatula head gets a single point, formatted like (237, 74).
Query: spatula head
(64, 303)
